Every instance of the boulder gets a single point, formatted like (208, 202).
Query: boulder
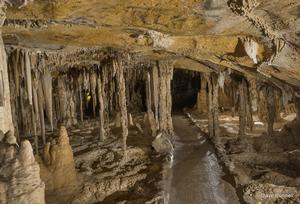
(162, 144)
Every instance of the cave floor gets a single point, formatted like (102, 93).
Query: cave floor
(196, 175)
(103, 175)
(265, 168)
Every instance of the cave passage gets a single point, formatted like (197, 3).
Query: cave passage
(185, 88)
(149, 102)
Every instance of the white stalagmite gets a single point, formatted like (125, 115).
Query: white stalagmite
(47, 90)
(28, 77)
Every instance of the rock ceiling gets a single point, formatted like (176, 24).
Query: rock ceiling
(256, 37)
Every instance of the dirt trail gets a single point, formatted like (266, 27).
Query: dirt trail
(196, 176)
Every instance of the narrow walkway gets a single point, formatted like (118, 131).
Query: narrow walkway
(196, 176)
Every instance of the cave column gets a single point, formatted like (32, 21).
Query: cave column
(242, 108)
(122, 103)
(155, 92)
(165, 98)
(270, 109)
(101, 108)
(210, 105)
(202, 96)
(215, 106)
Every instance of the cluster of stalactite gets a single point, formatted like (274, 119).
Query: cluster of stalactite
(248, 96)
(44, 98)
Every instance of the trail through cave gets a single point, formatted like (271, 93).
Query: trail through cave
(196, 175)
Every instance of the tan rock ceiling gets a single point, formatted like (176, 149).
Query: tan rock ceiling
(205, 30)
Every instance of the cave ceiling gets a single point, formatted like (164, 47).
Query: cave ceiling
(199, 35)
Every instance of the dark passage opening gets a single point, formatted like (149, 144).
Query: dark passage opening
(185, 88)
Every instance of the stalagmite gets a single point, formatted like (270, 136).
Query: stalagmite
(28, 77)
(271, 109)
(130, 120)
(215, 105)
(101, 109)
(210, 105)
(242, 109)
(41, 111)
(47, 90)
(122, 103)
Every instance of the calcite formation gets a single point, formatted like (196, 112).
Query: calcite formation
(20, 175)
(57, 164)
(66, 64)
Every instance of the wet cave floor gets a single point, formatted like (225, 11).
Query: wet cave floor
(266, 170)
(196, 175)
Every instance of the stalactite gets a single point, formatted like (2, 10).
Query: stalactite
(93, 82)
(101, 109)
(35, 112)
(215, 105)
(41, 111)
(122, 103)
(79, 84)
(17, 72)
(104, 74)
(242, 109)
(62, 98)
(28, 77)
(46, 79)
(210, 105)
(271, 109)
